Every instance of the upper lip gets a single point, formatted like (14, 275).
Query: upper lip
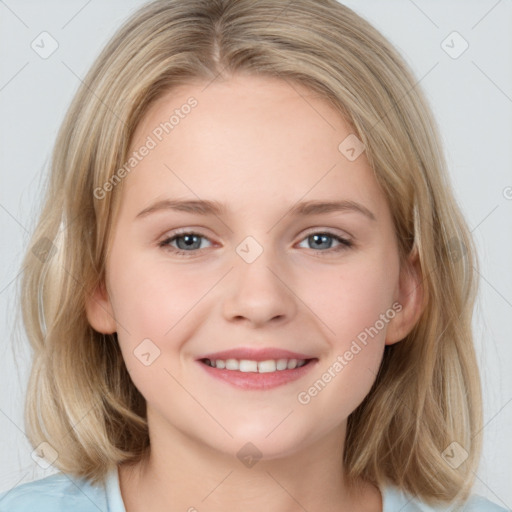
(255, 354)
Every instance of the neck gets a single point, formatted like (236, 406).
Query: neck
(180, 473)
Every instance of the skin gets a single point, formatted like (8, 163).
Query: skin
(258, 146)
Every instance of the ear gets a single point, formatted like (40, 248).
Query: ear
(99, 310)
(410, 297)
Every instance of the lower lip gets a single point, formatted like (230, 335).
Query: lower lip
(254, 380)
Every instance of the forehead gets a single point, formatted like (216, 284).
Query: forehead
(246, 140)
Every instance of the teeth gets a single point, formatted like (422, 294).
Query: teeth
(282, 364)
(232, 364)
(246, 365)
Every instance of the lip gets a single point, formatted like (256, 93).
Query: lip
(256, 354)
(254, 380)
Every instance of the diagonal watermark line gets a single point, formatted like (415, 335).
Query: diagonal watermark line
(213, 80)
(303, 97)
(376, 375)
(199, 403)
(82, 418)
(14, 486)
(14, 76)
(424, 14)
(199, 300)
(492, 81)
(485, 15)
(301, 300)
(501, 295)
(11, 281)
(280, 13)
(13, 218)
(287, 492)
(99, 304)
(75, 15)
(20, 429)
(13, 13)
(165, 165)
(395, 393)
(94, 94)
(481, 222)
(415, 497)
(216, 487)
(405, 94)
(64, 227)
(81, 490)
(291, 207)
(491, 419)
(425, 274)
(490, 490)
(282, 421)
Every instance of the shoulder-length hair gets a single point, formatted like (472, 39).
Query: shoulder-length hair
(427, 394)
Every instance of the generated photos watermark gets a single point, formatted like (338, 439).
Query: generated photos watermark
(151, 142)
(342, 360)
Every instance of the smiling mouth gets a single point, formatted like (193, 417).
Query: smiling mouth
(257, 375)
(251, 366)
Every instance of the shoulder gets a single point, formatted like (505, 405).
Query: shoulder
(480, 504)
(395, 500)
(54, 493)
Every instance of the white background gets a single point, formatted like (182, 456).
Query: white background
(472, 100)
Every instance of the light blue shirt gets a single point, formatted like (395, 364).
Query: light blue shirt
(63, 493)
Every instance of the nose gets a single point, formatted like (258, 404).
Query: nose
(259, 293)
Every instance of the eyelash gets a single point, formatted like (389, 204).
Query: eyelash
(165, 244)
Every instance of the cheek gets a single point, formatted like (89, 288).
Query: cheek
(153, 303)
(351, 298)
(149, 303)
(151, 296)
(355, 303)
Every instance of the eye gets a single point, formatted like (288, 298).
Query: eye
(187, 243)
(323, 240)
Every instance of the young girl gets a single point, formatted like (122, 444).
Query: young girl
(250, 285)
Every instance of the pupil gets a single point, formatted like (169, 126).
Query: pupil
(318, 238)
(188, 239)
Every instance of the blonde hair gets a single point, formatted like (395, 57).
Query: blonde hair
(427, 394)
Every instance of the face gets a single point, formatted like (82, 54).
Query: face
(260, 272)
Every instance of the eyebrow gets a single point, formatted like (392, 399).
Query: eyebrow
(207, 207)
